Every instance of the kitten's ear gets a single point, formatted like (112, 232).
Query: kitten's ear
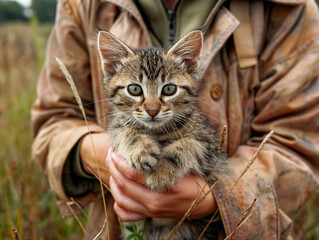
(188, 48)
(112, 51)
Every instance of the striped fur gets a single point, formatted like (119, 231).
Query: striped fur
(174, 142)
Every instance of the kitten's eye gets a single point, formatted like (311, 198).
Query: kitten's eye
(169, 90)
(135, 90)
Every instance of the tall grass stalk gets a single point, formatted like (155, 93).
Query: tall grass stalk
(79, 101)
(26, 202)
(202, 194)
(252, 160)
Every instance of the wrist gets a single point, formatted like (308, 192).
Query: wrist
(93, 150)
(207, 206)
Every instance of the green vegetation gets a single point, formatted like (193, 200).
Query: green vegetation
(307, 220)
(26, 202)
(11, 11)
(135, 234)
(44, 10)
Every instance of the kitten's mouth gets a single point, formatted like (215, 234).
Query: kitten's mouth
(153, 119)
(153, 122)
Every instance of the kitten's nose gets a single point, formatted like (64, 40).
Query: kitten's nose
(152, 112)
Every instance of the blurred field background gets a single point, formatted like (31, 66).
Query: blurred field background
(25, 200)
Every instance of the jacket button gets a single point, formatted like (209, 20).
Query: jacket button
(216, 91)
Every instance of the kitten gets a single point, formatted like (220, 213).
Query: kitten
(157, 127)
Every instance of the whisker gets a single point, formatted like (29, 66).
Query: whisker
(201, 100)
(108, 116)
(165, 129)
(97, 101)
(181, 121)
(124, 125)
(207, 115)
(187, 121)
(181, 137)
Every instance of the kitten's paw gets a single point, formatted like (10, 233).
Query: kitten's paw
(160, 182)
(146, 159)
(168, 172)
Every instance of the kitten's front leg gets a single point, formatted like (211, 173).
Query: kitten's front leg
(177, 159)
(142, 152)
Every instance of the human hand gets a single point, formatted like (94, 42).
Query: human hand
(134, 201)
(93, 160)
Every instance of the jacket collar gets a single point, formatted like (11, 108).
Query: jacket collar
(131, 8)
(223, 14)
(220, 30)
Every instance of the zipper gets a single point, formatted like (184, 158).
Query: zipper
(171, 14)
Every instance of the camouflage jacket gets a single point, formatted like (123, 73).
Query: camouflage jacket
(259, 72)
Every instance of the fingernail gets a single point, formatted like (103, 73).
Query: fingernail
(110, 151)
(114, 156)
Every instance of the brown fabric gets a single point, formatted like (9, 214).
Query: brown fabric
(279, 93)
(245, 47)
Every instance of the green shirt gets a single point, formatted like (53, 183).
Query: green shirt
(188, 15)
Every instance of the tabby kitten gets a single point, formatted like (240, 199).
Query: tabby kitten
(157, 127)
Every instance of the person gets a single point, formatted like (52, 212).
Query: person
(258, 73)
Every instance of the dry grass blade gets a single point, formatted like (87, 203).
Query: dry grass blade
(194, 203)
(79, 207)
(222, 139)
(69, 78)
(100, 232)
(79, 101)
(199, 199)
(106, 186)
(121, 227)
(76, 217)
(15, 234)
(208, 192)
(243, 218)
(243, 172)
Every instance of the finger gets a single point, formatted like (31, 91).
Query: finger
(151, 201)
(127, 170)
(124, 183)
(124, 201)
(127, 216)
(108, 156)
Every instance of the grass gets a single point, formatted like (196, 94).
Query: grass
(25, 200)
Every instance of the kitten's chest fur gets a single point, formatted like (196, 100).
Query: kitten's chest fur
(156, 126)
(188, 147)
(173, 149)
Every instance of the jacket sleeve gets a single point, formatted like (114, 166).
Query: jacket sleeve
(57, 121)
(282, 178)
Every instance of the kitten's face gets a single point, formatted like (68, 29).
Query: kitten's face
(151, 87)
